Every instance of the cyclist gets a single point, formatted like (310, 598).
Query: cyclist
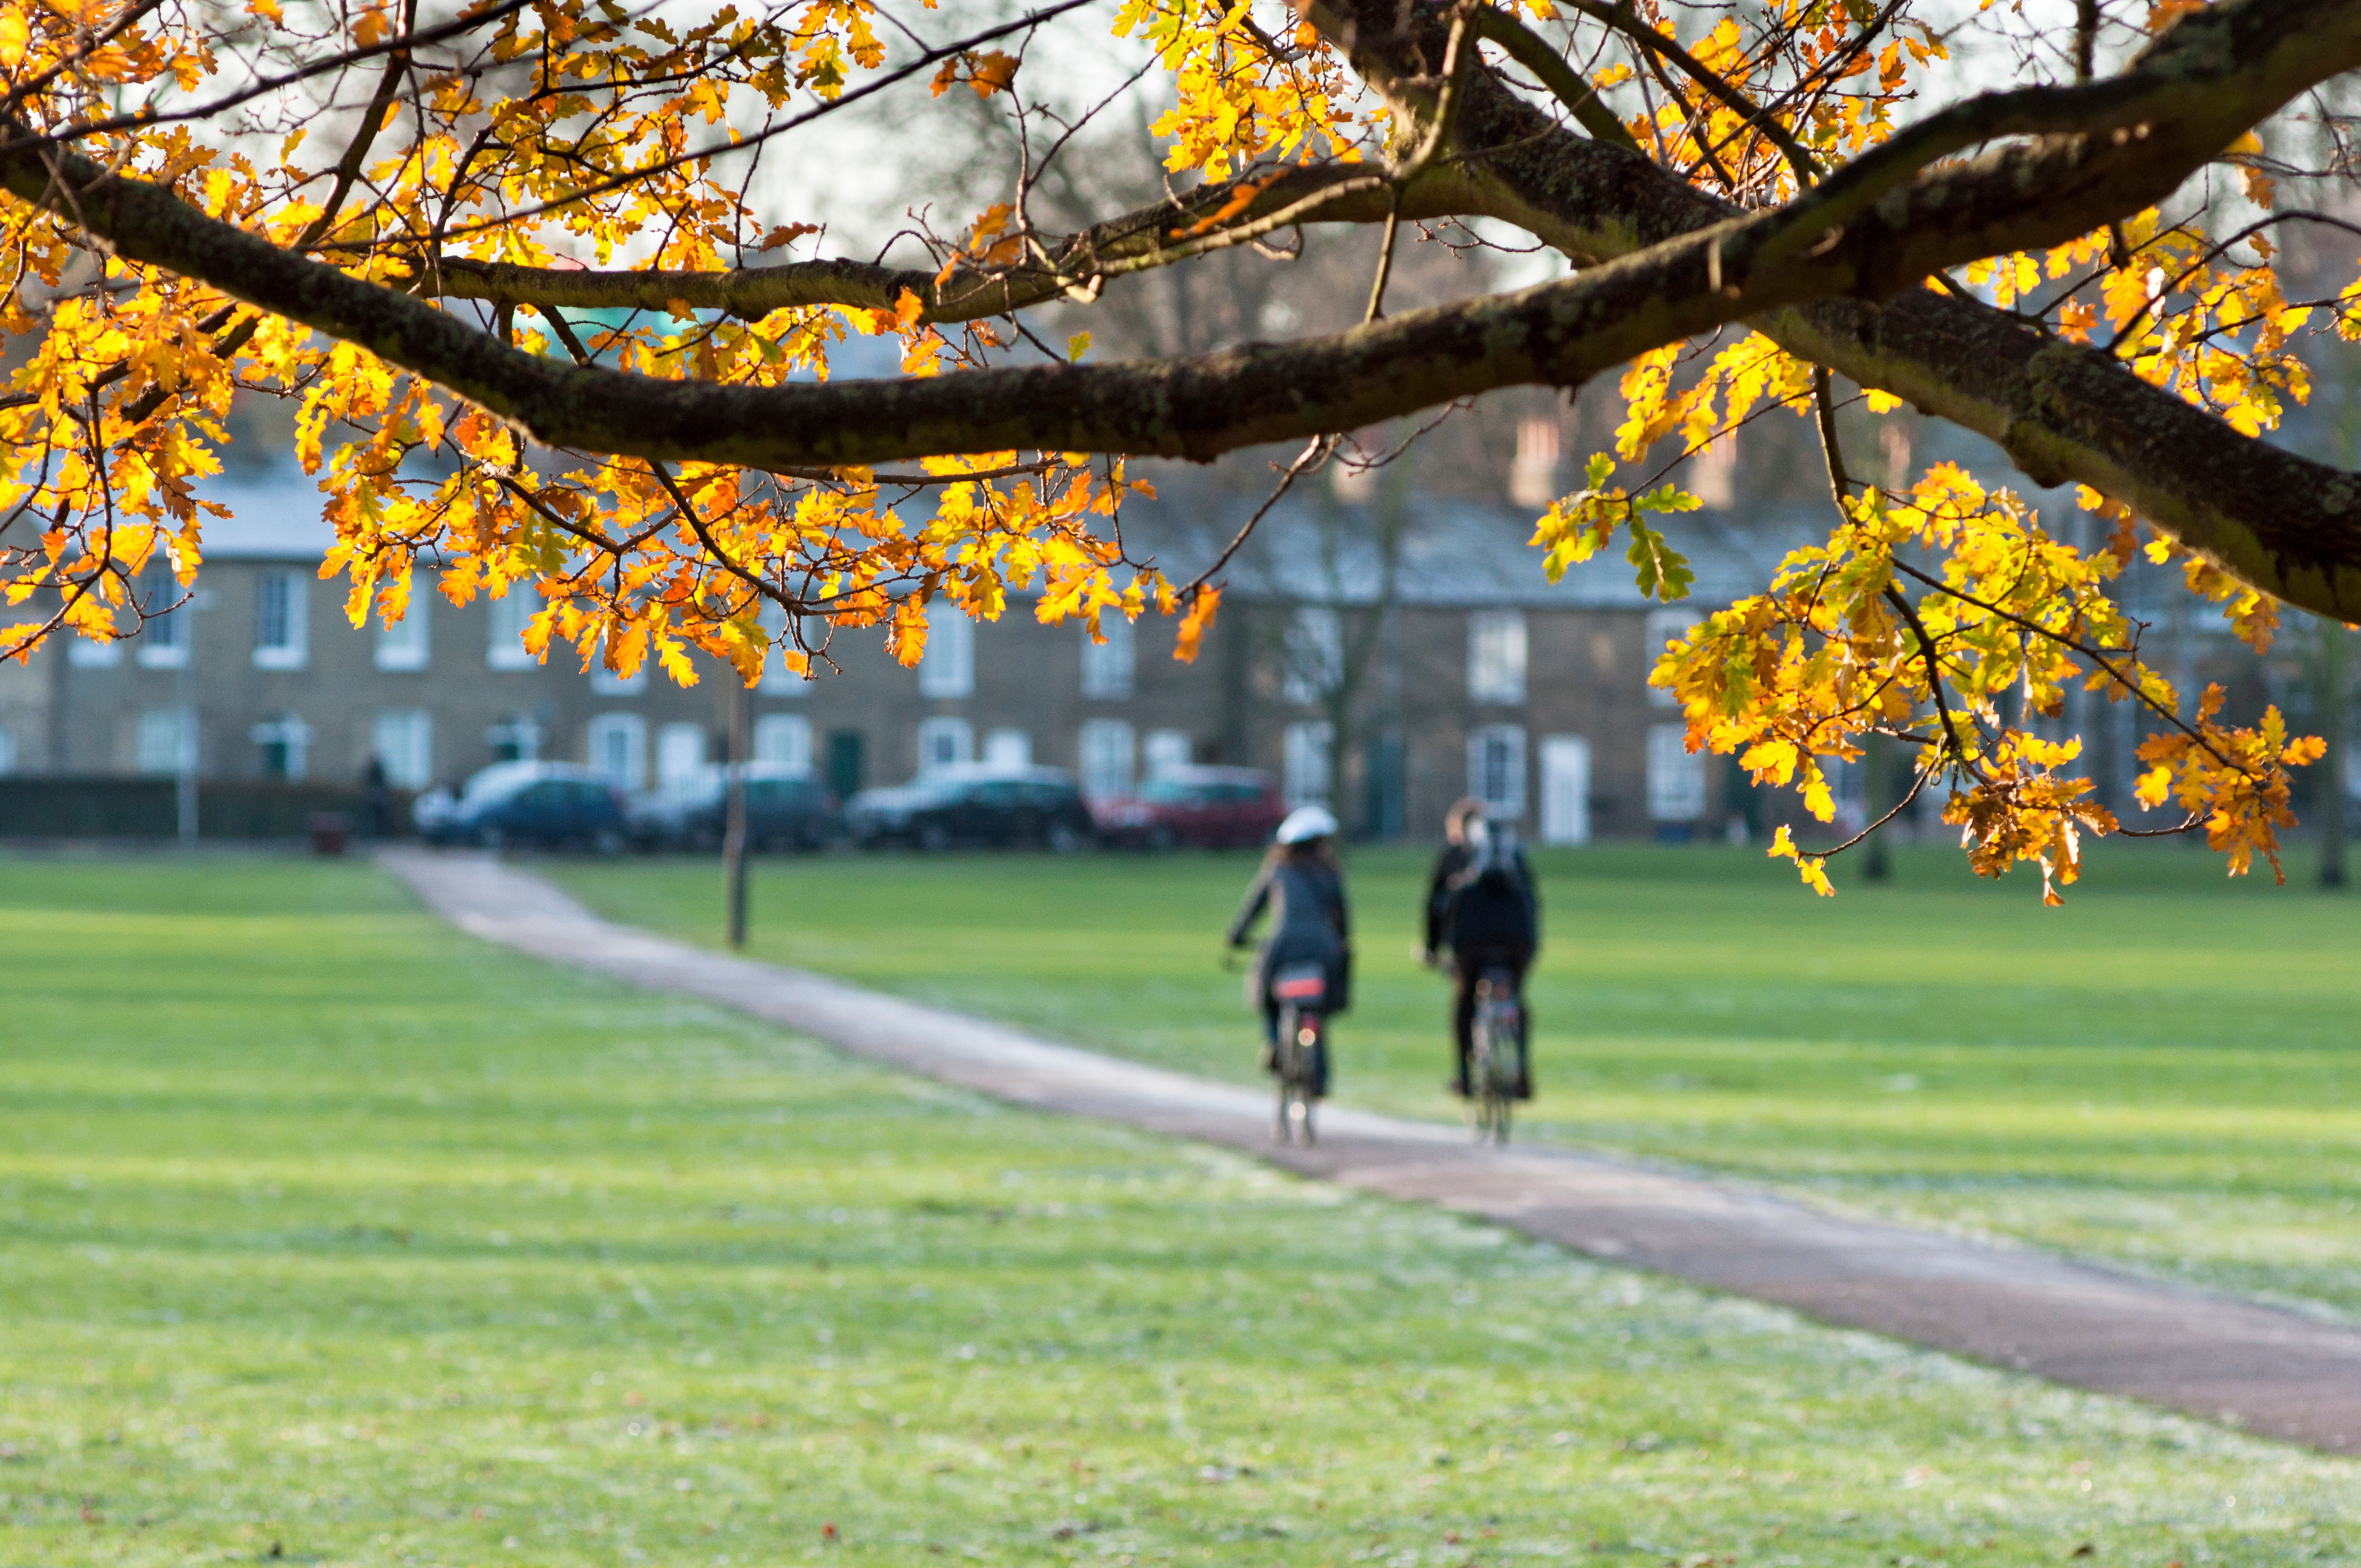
(1492, 920)
(1304, 887)
(1452, 860)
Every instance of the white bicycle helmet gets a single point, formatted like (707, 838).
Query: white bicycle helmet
(1306, 823)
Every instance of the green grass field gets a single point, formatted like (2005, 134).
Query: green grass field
(329, 1235)
(2162, 1072)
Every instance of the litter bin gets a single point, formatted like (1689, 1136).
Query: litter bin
(331, 831)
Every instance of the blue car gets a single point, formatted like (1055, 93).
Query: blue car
(553, 804)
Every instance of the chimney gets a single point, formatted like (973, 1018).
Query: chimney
(1533, 477)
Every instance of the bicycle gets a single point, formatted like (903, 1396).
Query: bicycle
(1496, 1057)
(1302, 992)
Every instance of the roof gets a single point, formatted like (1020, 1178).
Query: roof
(1309, 547)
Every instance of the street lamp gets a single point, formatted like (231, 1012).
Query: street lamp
(184, 760)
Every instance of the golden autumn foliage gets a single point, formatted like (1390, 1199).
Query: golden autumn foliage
(573, 181)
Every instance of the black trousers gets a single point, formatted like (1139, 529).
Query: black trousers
(1467, 970)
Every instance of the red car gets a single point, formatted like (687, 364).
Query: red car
(1212, 809)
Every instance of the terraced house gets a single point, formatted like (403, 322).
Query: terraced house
(1381, 651)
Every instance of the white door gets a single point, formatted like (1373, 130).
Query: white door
(1566, 789)
(680, 755)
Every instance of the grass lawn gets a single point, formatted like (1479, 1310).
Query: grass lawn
(329, 1235)
(2162, 1072)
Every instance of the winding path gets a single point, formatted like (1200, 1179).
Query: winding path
(2270, 1372)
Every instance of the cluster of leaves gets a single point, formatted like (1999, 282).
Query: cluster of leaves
(566, 134)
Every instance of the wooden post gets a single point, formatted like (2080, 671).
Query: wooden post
(733, 840)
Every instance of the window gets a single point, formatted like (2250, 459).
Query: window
(1008, 749)
(8, 752)
(1315, 654)
(1106, 759)
(1306, 762)
(514, 739)
(84, 654)
(403, 646)
(1495, 656)
(164, 638)
(777, 679)
(505, 649)
(166, 741)
(944, 742)
(785, 739)
(607, 683)
(948, 666)
(1713, 472)
(1566, 790)
(285, 744)
(280, 640)
(1163, 751)
(404, 740)
(1533, 477)
(1676, 775)
(619, 751)
(1663, 625)
(1107, 666)
(680, 755)
(1496, 770)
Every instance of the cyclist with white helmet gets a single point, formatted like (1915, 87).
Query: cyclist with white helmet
(1302, 887)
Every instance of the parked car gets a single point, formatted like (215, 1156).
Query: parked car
(550, 804)
(1211, 808)
(973, 804)
(786, 808)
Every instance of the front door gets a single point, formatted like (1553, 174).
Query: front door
(844, 763)
(1566, 790)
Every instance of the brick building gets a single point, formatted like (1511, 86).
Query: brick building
(1381, 651)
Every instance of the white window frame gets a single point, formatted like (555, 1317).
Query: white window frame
(1108, 754)
(1008, 747)
(402, 740)
(677, 760)
(944, 742)
(504, 623)
(777, 679)
(406, 643)
(84, 654)
(520, 731)
(1663, 625)
(288, 731)
(7, 751)
(1676, 780)
(1163, 751)
(165, 741)
(1495, 657)
(1565, 814)
(1496, 768)
(615, 746)
(1110, 667)
(164, 638)
(294, 648)
(1314, 654)
(785, 739)
(946, 669)
(605, 682)
(1306, 761)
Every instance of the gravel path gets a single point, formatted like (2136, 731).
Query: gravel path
(2269, 1372)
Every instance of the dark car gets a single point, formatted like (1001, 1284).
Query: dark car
(973, 804)
(786, 808)
(1212, 809)
(549, 804)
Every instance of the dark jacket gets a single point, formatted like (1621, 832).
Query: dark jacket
(1309, 924)
(1493, 904)
(1447, 867)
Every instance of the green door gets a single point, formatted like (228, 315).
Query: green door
(844, 763)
